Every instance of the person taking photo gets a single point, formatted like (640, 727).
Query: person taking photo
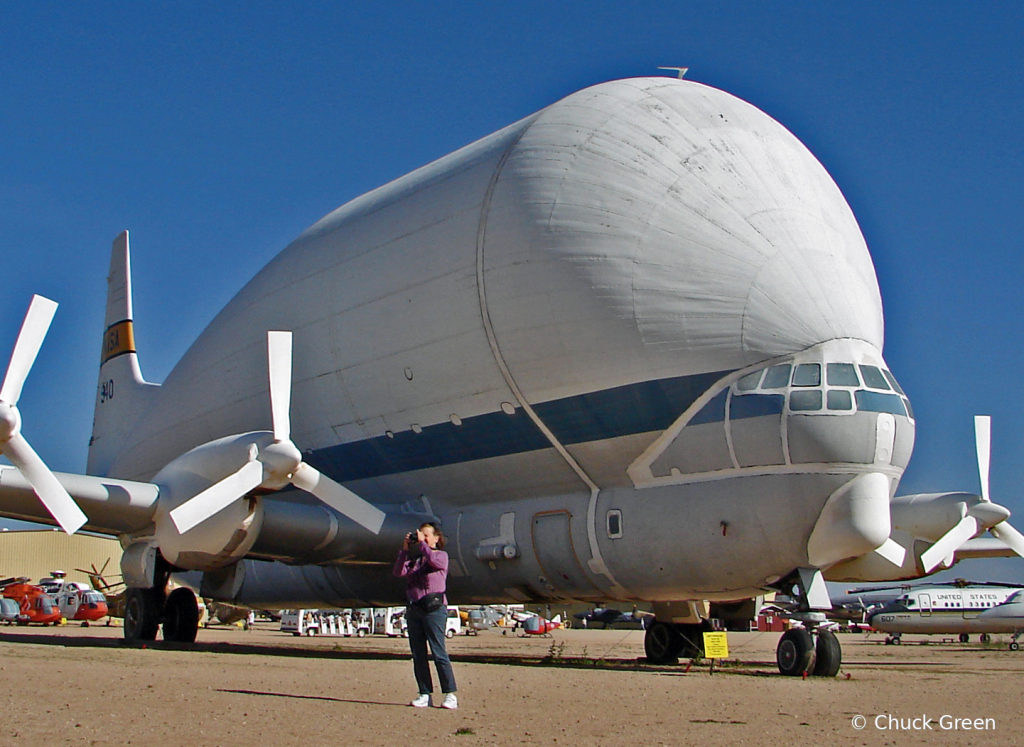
(423, 563)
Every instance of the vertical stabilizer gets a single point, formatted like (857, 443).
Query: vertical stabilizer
(122, 395)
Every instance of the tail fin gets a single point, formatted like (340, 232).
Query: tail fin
(122, 395)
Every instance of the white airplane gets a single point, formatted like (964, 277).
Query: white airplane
(1009, 615)
(953, 608)
(627, 349)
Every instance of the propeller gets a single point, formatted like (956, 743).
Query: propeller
(54, 497)
(279, 463)
(984, 515)
(892, 551)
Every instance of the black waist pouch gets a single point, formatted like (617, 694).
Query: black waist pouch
(429, 603)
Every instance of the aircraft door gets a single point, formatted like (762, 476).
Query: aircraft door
(970, 605)
(925, 602)
(552, 543)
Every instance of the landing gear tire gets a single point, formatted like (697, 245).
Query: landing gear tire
(964, 638)
(795, 653)
(142, 611)
(1014, 646)
(693, 638)
(181, 616)
(828, 655)
(663, 643)
(985, 638)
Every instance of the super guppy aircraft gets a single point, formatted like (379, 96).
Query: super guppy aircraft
(628, 348)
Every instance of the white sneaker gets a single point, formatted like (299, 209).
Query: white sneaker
(450, 701)
(422, 701)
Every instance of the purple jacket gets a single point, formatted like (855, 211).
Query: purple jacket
(425, 574)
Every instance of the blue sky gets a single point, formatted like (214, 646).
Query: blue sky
(216, 133)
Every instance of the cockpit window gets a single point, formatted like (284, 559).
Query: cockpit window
(749, 382)
(777, 377)
(839, 399)
(806, 400)
(808, 374)
(892, 380)
(873, 378)
(842, 374)
(877, 402)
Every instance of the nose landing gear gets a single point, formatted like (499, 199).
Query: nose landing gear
(812, 650)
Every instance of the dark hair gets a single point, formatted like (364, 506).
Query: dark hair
(437, 531)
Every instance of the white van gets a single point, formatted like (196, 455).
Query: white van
(300, 622)
(453, 625)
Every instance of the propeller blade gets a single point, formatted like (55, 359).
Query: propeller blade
(892, 551)
(217, 497)
(983, 443)
(26, 348)
(1006, 533)
(279, 361)
(61, 506)
(949, 542)
(338, 497)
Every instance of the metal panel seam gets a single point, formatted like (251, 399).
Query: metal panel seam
(596, 563)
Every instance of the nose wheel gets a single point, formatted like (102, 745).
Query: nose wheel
(815, 652)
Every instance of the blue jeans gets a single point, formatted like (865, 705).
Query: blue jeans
(423, 628)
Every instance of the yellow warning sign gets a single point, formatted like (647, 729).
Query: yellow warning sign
(716, 646)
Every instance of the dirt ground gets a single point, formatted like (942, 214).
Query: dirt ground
(85, 686)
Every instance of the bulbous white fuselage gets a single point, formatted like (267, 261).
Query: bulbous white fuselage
(560, 340)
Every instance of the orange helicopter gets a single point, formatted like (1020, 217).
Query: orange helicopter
(75, 600)
(36, 606)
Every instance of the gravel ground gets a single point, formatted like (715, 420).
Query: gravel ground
(85, 686)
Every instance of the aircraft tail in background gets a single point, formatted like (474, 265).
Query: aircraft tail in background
(122, 394)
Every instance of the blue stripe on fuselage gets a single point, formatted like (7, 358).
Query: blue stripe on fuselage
(595, 416)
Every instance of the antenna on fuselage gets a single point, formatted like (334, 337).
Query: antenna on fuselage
(680, 70)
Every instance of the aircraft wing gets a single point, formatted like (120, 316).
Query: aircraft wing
(292, 531)
(984, 547)
(112, 506)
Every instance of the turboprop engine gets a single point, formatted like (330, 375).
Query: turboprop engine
(228, 534)
(209, 513)
(931, 527)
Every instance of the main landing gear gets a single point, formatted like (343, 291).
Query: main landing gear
(665, 642)
(813, 650)
(146, 609)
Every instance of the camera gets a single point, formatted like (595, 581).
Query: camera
(414, 544)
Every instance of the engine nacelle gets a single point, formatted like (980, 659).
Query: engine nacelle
(228, 535)
(918, 521)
